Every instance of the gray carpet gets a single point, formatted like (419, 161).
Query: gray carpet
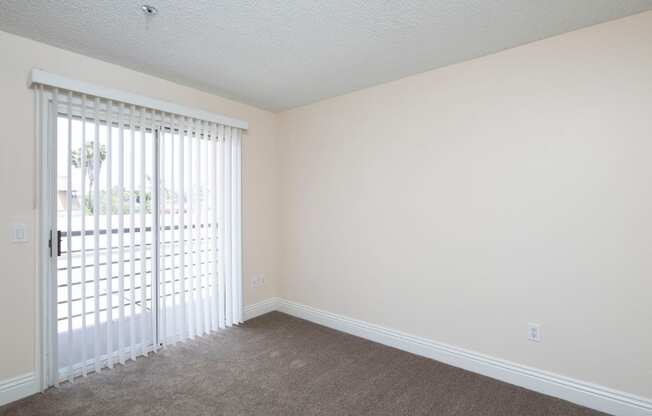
(280, 365)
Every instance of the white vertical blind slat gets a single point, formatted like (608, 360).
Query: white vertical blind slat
(227, 226)
(213, 195)
(132, 234)
(208, 310)
(143, 233)
(54, 349)
(121, 248)
(173, 206)
(192, 240)
(233, 231)
(164, 242)
(182, 226)
(83, 238)
(109, 235)
(221, 220)
(236, 226)
(200, 231)
(96, 232)
(197, 229)
(155, 244)
(70, 369)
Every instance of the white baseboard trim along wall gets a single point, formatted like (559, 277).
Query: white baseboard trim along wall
(18, 387)
(586, 394)
(261, 308)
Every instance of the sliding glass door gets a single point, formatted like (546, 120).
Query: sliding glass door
(106, 276)
(141, 210)
(187, 235)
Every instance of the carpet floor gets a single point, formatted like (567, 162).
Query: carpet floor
(280, 365)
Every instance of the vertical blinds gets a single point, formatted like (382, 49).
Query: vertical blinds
(148, 215)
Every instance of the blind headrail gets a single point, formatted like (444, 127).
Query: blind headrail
(39, 76)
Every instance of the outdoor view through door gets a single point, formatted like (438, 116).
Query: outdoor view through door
(146, 234)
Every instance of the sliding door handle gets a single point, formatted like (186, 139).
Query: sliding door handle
(58, 243)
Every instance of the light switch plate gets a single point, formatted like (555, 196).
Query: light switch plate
(20, 233)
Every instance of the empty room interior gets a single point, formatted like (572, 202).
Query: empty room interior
(240, 207)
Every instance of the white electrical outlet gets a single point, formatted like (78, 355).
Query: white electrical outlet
(257, 280)
(534, 332)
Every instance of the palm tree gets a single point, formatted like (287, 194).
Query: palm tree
(91, 163)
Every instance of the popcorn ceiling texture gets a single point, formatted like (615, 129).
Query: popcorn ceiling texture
(282, 54)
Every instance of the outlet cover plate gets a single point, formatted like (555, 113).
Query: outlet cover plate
(534, 332)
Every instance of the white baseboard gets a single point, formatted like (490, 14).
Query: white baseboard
(261, 308)
(18, 387)
(586, 394)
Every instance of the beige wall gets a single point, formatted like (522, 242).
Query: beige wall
(463, 203)
(18, 170)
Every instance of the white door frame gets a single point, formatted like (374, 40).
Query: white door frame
(45, 122)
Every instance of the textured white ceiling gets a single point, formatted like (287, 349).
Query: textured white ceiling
(279, 54)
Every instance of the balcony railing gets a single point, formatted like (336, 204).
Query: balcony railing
(136, 258)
